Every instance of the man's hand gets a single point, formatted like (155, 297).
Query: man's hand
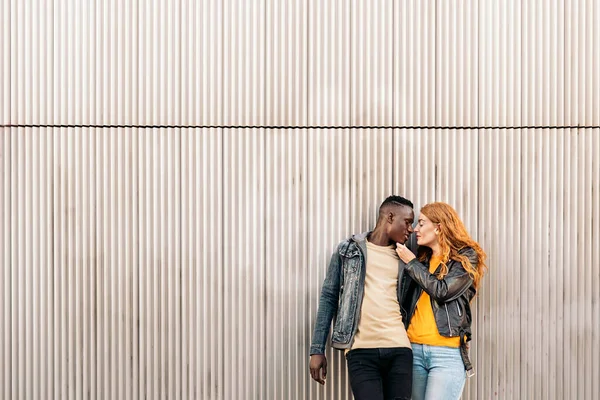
(318, 362)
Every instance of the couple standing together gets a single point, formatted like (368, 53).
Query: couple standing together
(402, 319)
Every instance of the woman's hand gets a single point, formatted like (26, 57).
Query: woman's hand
(404, 253)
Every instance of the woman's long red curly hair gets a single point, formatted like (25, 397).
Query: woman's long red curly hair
(453, 237)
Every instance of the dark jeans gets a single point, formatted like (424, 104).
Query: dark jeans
(380, 374)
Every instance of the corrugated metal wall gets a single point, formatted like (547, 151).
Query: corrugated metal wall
(174, 176)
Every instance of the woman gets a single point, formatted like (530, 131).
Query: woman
(442, 280)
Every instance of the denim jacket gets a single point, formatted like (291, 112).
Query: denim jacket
(342, 295)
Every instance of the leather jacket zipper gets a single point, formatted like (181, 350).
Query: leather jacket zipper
(448, 315)
(458, 308)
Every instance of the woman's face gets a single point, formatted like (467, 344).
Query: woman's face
(425, 232)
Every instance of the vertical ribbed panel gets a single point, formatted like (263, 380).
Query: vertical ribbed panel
(500, 63)
(414, 49)
(594, 228)
(558, 229)
(543, 62)
(113, 62)
(582, 83)
(245, 355)
(286, 55)
(329, 199)
(497, 324)
(329, 62)
(414, 163)
(5, 295)
(159, 270)
(457, 177)
(5, 78)
(302, 61)
(371, 163)
(113, 183)
(201, 62)
(202, 341)
(285, 245)
(456, 45)
(243, 62)
(186, 262)
(371, 51)
(595, 72)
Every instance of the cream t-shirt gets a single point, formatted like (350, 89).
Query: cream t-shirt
(380, 324)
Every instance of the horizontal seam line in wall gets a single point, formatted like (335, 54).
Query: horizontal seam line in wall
(292, 126)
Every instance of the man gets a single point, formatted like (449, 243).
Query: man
(362, 291)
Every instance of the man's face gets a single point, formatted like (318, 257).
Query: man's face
(400, 224)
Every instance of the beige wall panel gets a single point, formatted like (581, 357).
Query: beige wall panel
(582, 83)
(5, 216)
(329, 62)
(371, 179)
(593, 137)
(595, 71)
(211, 62)
(5, 78)
(497, 315)
(371, 51)
(286, 320)
(500, 63)
(414, 165)
(329, 182)
(558, 238)
(202, 188)
(244, 66)
(202, 67)
(456, 63)
(349, 171)
(247, 356)
(286, 69)
(110, 227)
(457, 176)
(414, 82)
(159, 209)
(112, 63)
(543, 63)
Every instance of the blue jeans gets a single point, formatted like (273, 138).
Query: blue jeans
(438, 373)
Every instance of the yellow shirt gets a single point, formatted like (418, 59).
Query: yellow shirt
(422, 328)
(380, 324)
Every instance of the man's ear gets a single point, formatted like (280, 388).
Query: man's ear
(390, 217)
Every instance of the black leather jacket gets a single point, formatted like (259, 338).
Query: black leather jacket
(450, 298)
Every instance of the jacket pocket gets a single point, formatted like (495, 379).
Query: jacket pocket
(349, 251)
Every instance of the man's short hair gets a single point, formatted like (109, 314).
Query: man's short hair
(396, 200)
